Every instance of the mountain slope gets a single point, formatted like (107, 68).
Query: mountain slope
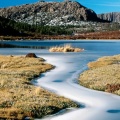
(11, 28)
(112, 17)
(45, 12)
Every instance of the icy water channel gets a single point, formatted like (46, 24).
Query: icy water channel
(63, 79)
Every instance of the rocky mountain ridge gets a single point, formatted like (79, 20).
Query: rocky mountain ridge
(112, 17)
(48, 13)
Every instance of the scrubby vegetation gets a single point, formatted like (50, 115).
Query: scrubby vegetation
(104, 75)
(18, 97)
(65, 48)
(10, 27)
(6, 27)
(11, 30)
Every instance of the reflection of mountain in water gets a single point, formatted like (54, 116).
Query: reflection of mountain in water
(5, 45)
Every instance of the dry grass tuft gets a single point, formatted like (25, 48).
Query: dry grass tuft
(18, 98)
(65, 48)
(104, 74)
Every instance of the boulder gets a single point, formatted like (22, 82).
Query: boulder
(31, 55)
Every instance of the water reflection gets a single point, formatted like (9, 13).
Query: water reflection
(8, 45)
(113, 111)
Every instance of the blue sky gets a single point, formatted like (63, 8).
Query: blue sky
(102, 6)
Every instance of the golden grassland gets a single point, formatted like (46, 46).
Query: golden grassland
(18, 97)
(104, 75)
(65, 48)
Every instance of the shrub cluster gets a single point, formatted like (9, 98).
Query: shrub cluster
(65, 48)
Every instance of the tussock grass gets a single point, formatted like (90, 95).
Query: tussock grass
(104, 74)
(65, 48)
(104, 61)
(18, 98)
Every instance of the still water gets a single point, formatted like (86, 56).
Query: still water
(103, 47)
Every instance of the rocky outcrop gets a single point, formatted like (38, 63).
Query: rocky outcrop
(31, 55)
(112, 17)
(46, 12)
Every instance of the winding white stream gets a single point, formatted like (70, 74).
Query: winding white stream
(98, 105)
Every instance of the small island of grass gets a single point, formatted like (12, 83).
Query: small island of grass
(65, 48)
(104, 75)
(18, 97)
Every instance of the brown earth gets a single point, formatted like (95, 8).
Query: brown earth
(92, 35)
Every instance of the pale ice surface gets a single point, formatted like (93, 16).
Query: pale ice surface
(97, 105)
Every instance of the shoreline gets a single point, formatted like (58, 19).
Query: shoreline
(103, 75)
(108, 35)
(22, 99)
(78, 93)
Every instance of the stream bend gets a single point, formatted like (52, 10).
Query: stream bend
(63, 81)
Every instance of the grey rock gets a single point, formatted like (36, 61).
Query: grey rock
(112, 17)
(46, 12)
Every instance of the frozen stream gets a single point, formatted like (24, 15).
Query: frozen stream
(98, 105)
(63, 81)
